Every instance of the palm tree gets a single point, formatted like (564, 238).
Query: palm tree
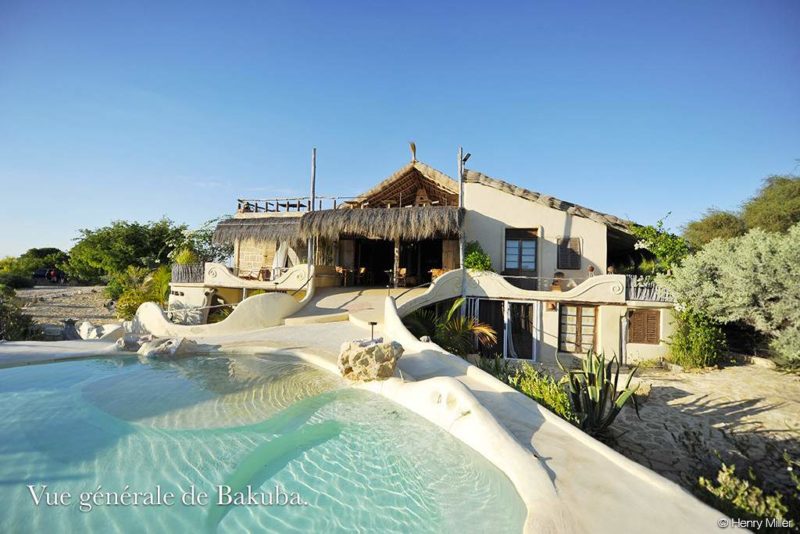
(452, 331)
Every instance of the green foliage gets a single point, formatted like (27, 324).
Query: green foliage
(186, 256)
(111, 249)
(14, 324)
(594, 394)
(130, 278)
(16, 280)
(698, 341)
(157, 284)
(200, 242)
(753, 279)
(743, 498)
(219, 314)
(667, 248)
(776, 208)
(129, 302)
(452, 331)
(475, 258)
(544, 389)
(715, 224)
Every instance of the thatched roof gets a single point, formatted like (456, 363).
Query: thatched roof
(551, 202)
(414, 223)
(260, 229)
(402, 186)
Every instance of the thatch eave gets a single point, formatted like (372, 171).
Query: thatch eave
(258, 229)
(412, 224)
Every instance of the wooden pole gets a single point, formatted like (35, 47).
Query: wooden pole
(311, 206)
(461, 244)
(396, 267)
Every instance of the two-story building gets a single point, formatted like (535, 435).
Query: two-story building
(552, 288)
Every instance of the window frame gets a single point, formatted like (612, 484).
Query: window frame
(579, 327)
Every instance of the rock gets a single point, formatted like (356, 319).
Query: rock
(132, 342)
(425, 339)
(108, 332)
(365, 360)
(168, 348)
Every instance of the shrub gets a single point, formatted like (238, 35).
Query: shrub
(476, 258)
(544, 389)
(594, 394)
(131, 278)
(698, 341)
(16, 280)
(14, 324)
(156, 284)
(737, 497)
(753, 279)
(713, 225)
(129, 302)
(186, 256)
(452, 331)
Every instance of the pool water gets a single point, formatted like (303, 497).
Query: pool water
(350, 459)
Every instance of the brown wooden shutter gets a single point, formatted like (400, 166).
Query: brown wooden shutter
(652, 320)
(569, 253)
(644, 327)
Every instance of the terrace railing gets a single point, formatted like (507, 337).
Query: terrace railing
(191, 273)
(644, 288)
(289, 204)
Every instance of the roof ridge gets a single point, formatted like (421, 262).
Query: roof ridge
(549, 201)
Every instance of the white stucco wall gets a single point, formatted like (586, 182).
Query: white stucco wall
(490, 212)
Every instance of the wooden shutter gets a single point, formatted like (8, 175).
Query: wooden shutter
(644, 327)
(569, 253)
(450, 254)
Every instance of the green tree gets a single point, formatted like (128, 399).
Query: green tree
(753, 279)
(200, 242)
(667, 248)
(776, 207)
(112, 249)
(712, 225)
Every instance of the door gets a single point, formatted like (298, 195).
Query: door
(521, 335)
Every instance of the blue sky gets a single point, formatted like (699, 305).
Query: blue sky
(135, 111)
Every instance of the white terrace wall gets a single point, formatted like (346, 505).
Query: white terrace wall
(490, 212)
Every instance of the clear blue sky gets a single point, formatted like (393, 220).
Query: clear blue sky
(112, 111)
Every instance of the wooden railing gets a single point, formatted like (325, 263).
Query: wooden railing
(191, 273)
(644, 288)
(296, 204)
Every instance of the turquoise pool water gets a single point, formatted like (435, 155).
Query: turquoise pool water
(350, 460)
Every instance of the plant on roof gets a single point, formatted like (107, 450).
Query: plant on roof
(594, 394)
(475, 258)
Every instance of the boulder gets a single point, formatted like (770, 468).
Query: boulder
(365, 360)
(167, 348)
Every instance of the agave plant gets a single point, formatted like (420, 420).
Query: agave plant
(452, 331)
(594, 394)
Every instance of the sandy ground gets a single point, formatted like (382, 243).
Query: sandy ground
(52, 304)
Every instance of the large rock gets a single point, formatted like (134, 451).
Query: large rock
(365, 360)
(169, 348)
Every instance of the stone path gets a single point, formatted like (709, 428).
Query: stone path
(748, 414)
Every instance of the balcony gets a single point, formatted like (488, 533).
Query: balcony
(288, 205)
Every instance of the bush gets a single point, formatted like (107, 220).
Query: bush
(743, 498)
(544, 389)
(186, 256)
(16, 280)
(14, 324)
(476, 258)
(129, 302)
(131, 278)
(698, 341)
(752, 279)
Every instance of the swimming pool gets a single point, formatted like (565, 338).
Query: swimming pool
(346, 459)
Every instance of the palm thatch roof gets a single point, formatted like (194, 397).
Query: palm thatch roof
(401, 187)
(259, 229)
(611, 221)
(413, 223)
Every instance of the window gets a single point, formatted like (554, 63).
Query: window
(520, 257)
(644, 326)
(569, 253)
(576, 327)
